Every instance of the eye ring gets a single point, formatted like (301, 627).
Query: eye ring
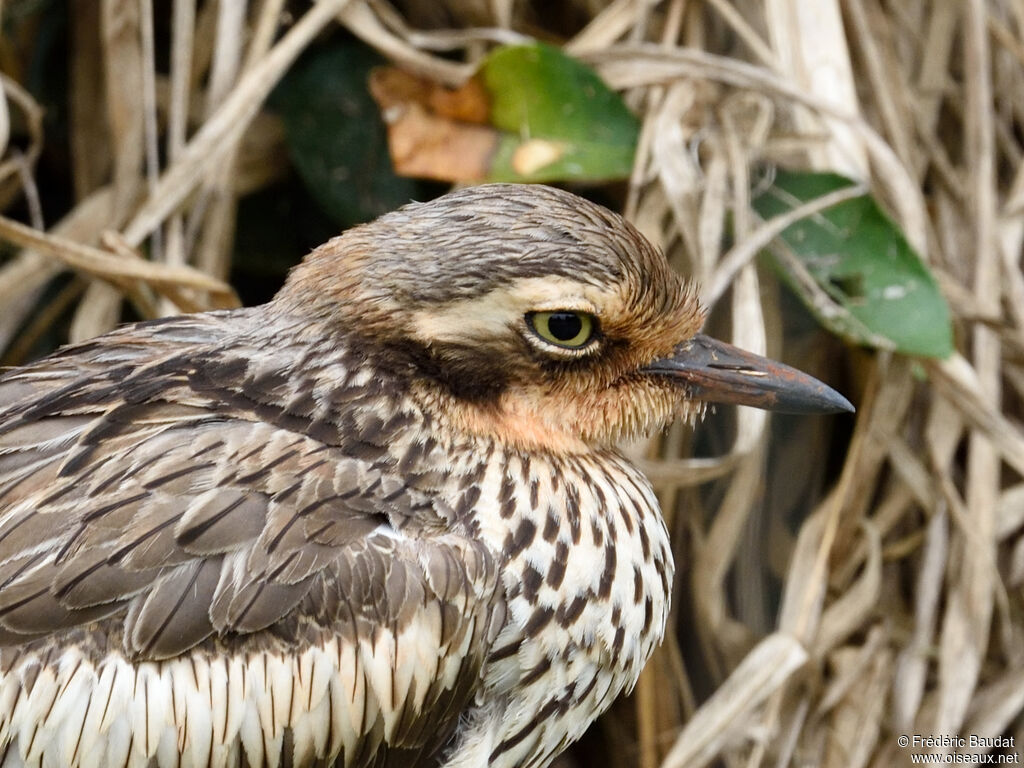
(563, 328)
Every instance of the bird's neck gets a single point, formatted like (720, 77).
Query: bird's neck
(510, 422)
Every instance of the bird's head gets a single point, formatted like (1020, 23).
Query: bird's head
(531, 315)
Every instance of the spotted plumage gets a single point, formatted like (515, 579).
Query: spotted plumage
(379, 521)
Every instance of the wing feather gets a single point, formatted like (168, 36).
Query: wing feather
(219, 519)
(174, 615)
(171, 506)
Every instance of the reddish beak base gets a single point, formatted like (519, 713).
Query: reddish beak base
(717, 372)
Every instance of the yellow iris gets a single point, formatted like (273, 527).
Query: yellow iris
(563, 328)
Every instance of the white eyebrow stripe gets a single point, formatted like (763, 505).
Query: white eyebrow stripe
(491, 314)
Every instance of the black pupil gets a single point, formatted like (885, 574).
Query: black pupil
(565, 326)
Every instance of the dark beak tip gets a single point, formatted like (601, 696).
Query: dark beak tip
(824, 402)
(841, 404)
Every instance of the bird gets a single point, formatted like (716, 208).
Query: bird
(380, 520)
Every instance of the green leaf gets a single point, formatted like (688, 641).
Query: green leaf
(881, 293)
(335, 136)
(543, 100)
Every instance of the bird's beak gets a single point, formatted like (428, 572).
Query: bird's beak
(717, 372)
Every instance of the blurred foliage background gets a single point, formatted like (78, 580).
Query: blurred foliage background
(842, 178)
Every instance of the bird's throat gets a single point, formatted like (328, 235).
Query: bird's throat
(513, 421)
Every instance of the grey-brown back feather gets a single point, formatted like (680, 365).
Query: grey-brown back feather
(156, 486)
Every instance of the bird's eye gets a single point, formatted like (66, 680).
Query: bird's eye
(563, 328)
